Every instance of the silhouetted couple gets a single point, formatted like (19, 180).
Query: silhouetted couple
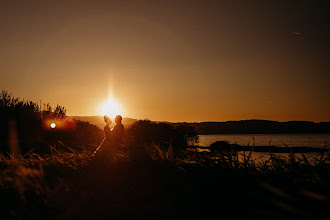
(112, 138)
(117, 134)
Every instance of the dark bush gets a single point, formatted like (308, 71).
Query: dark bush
(220, 146)
(25, 125)
(179, 135)
(87, 134)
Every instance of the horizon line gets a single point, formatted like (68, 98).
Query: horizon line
(253, 119)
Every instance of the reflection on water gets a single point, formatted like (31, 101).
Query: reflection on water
(280, 140)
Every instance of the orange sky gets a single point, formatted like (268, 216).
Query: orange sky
(170, 60)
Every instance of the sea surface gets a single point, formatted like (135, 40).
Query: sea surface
(280, 140)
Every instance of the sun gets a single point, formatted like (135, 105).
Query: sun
(110, 108)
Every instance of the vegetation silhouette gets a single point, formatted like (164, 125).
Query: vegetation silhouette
(178, 136)
(29, 123)
(155, 173)
(64, 185)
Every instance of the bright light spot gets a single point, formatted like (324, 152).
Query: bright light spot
(53, 125)
(110, 108)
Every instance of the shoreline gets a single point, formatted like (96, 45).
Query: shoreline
(263, 149)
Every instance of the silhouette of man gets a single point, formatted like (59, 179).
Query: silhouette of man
(118, 130)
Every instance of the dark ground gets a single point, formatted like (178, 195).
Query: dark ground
(166, 189)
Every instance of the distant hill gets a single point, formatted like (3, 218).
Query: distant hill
(237, 127)
(261, 127)
(99, 121)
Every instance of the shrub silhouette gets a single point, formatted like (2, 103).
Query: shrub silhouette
(22, 121)
(87, 134)
(179, 136)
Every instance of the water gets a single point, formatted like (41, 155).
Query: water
(291, 140)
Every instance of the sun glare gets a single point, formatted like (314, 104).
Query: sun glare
(110, 108)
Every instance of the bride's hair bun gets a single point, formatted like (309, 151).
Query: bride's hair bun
(107, 119)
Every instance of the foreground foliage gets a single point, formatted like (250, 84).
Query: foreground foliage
(151, 175)
(147, 181)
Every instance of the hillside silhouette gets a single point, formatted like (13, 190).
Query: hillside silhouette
(252, 126)
(261, 127)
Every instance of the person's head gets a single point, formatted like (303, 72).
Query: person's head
(107, 120)
(118, 119)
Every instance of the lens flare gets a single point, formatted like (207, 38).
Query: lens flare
(59, 124)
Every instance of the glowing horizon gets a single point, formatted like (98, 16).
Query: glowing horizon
(203, 61)
(110, 108)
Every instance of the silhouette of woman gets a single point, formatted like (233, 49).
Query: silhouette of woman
(107, 130)
(104, 146)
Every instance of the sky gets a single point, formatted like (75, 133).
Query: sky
(168, 60)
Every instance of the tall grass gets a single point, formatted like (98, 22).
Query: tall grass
(66, 182)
